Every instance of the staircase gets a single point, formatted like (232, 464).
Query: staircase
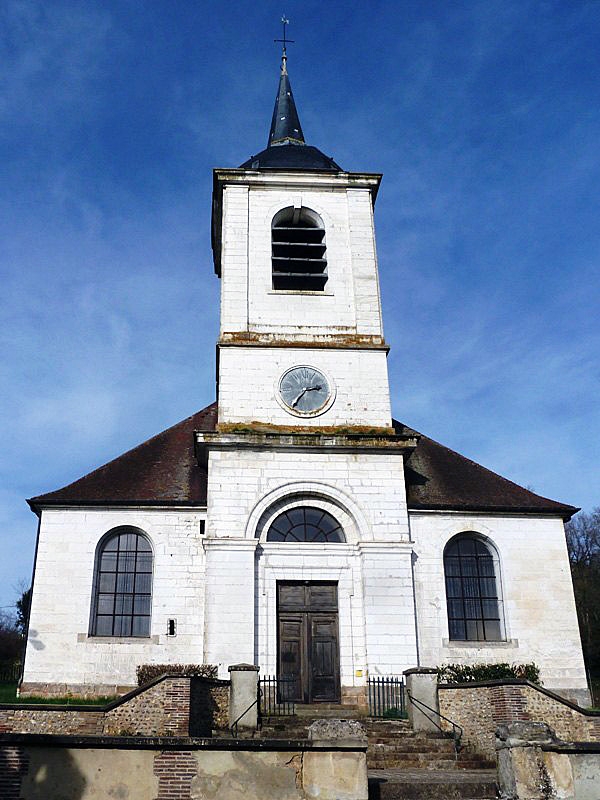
(402, 765)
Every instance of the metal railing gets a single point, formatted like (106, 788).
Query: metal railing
(457, 731)
(234, 727)
(275, 696)
(386, 697)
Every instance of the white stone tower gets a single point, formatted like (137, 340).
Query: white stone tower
(304, 424)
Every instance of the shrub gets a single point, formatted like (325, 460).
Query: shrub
(148, 672)
(467, 673)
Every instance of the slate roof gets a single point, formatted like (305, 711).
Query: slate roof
(292, 156)
(164, 471)
(438, 478)
(160, 471)
(286, 148)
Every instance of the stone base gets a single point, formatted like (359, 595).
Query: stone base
(355, 696)
(83, 690)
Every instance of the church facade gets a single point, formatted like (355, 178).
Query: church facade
(294, 524)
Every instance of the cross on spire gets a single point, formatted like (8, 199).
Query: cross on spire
(285, 40)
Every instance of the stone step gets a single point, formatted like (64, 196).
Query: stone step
(328, 711)
(408, 745)
(415, 784)
(449, 764)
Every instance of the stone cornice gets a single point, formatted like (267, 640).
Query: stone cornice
(340, 341)
(253, 436)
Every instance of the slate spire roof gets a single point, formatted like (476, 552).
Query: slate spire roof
(164, 471)
(285, 125)
(286, 147)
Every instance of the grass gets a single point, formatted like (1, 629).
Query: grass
(8, 694)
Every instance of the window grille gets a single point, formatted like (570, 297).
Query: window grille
(298, 251)
(305, 524)
(123, 586)
(471, 590)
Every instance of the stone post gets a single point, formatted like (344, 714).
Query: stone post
(422, 685)
(526, 771)
(243, 694)
(337, 767)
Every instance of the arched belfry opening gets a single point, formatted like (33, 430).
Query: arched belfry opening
(298, 250)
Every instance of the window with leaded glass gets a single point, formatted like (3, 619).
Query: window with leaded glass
(472, 590)
(123, 585)
(305, 524)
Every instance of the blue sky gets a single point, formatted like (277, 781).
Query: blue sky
(484, 118)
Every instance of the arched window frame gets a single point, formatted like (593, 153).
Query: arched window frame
(298, 250)
(141, 600)
(318, 517)
(480, 625)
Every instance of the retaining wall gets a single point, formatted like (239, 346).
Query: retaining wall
(79, 768)
(479, 708)
(168, 706)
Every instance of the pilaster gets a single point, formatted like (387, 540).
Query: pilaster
(389, 606)
(229, 628)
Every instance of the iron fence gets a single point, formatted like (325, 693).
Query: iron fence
(275, 696)
(386, 697)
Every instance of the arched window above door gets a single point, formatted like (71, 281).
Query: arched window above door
(472, 590)
(305, 524)
(123, 584)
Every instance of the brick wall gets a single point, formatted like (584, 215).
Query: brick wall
(480, 708)
(13, 765)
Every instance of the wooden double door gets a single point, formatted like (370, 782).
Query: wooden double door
(307, 641)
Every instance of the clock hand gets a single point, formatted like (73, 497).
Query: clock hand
(313, 388)
(302, 393)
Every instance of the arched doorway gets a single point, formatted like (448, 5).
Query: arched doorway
(307, 613)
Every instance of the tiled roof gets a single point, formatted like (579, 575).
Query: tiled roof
(438, 478)
(164, 471)
(161, 471)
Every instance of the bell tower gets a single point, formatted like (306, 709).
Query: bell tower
(301, 337)
(304, 426)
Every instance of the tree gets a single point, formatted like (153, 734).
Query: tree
(11, 641)
(23, 604)
(583, 542)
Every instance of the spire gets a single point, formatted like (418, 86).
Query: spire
(286, 148)
(285, 125)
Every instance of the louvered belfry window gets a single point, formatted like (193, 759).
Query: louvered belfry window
(298, 251)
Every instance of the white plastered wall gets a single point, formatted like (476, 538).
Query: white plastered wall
(249, 379)
(535, 579)
(350, 302)
(59, 649)
(365, 492)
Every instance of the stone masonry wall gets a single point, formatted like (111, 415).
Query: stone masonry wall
(50, 719)
(172, 706)
(480, 708)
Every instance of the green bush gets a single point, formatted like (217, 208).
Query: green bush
(467, 673)
(148, 672)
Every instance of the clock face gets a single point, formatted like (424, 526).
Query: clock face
(304, 390)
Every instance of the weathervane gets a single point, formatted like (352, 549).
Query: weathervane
(284, 41)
